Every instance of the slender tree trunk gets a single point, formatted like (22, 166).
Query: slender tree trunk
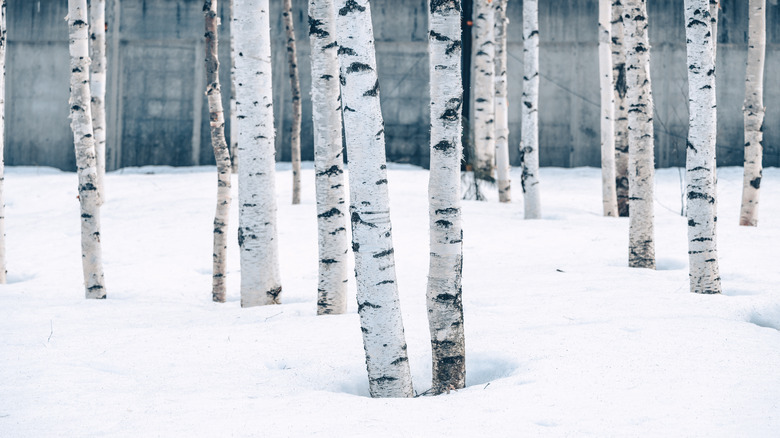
(502, 105)
(529, 146)
(257, 232)
(295, 86)
(754, 113)
(2, 142)
(377, 290)
(445, 302)
(233, 110)
(621, 112)
(700, 165)
(84, 141)
(609, 195)
(714, 6)
(483, 97)
(221, 153)
(640, 135)
(328, 159)
(97, 53)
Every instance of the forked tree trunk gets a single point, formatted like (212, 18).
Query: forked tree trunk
(608, 193)
(640, 135)
(502, 105)
(332, 234)
(221, 153)
(3, 272)
(529, 145)
(377, 291)
(97, 53)
(444, 297)
(84, 141)
(257, 225)
(295, 86)
(754, 113)
(701, 192)
(483, 97)
(621, 112)
(233, 110)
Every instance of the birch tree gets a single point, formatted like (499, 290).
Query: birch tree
(640, 135)
(97, 53)
(529, 145)
(233, 115)
(754, 113)
(84, 142)
(484, 86)
(502, 105)
(332, 232)
(444, 297)
(609, 195)
(3, 272)
(372, 244)
(257, 226)
(221, 153)
(700, 165)
(621, 112)
(295, 86)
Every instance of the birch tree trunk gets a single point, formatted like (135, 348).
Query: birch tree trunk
(640, 135)
(502, 105)
(233, 110)
(700, 165)
(332, 234)
(372, 244)
(483, 97)
(609, 194)
(529, 146)
(84, 141)
(621, 112)
(295, 86)
(444, 297)
(97, 53)
(754, 113)
(3, 272)
(714, 6)
(257, 229)
(221, 153)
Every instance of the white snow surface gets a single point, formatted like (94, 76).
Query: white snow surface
(563, 339)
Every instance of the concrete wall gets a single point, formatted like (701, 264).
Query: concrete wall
(157, 113)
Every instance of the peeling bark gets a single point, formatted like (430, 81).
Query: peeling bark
(641, 170)
(700, 165)
(502, 105)
(295, 86)
(3, 272)
(377, 290)
(84, 142)
(257, 222)
(608, 192)
(97, 53)
(529, 145)
(221, 153)
(621, 111)
(483, 97)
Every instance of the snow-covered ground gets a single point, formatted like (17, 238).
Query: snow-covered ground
(562, 338)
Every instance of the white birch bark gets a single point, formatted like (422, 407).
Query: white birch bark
(483, 97)
(233, 115)
(529, 145)
(502, 104)
(3, 272)
(257, 226)
(333, 240)
(754, 113)
(714, 6)
(377, 291)
(84, 141)
(295, 86)
(700, 165)
(621, 111)
(444, 297)
(97, 53)
(221, 153)
(608, 192)
(640, 135)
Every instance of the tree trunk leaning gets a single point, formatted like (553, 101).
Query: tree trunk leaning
(332, 234)
(377, 290)
(257, 222)
(502, 105)
(529, 146)
(444, 296)
(97, 53)
(754, 113)
(483, 98)
(233, 110)
(700, 165)
(608, 192)
(221, 153)
(640, 135)
(295, 86)
(84, 141)
(621, 112)
(3, 272)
